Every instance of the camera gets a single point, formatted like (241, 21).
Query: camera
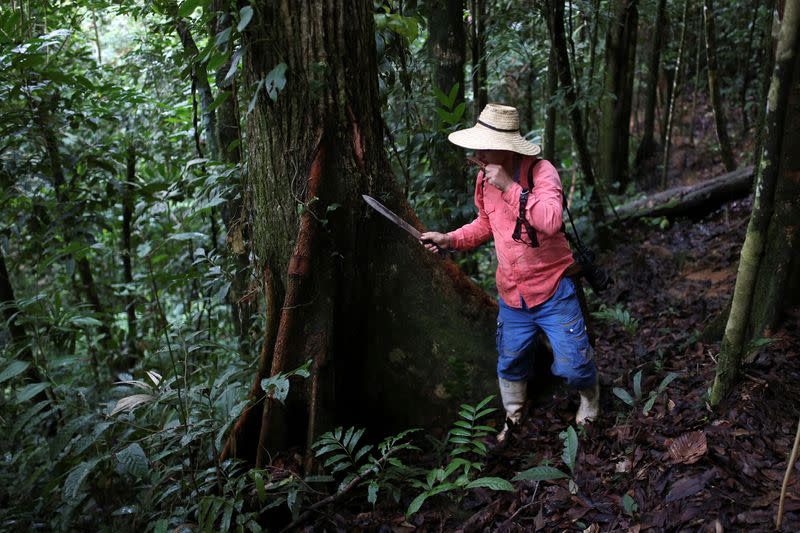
(597, 277)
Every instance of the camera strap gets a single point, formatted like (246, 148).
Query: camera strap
(522, 220)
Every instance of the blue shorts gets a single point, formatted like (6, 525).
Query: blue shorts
(560, 318)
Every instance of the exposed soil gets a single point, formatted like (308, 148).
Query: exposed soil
(728, 468)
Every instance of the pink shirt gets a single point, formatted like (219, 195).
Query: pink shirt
(533, 273)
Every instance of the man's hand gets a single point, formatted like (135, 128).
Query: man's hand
(434, 241)
(497, 176)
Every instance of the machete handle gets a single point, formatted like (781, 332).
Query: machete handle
(439, 250)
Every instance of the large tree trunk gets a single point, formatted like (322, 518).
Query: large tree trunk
(396, 336)
(647, 145)
(769, 250)
(713, 87)
(614, 131)
(555, 25)
(447, 45)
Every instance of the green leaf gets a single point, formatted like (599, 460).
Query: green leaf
(629, 504)
(245, 15)
(30, 390)
(237, 57)
(417, 503)
(372, 492)
(451, 98)
(570, 448)
(623, 395)
(85, 321)
(222, 37)
(75, 479)
(14, 369)
(188, 7)
(276, 80)
(134, 460)
(278, 386)
(540, 473)
(650, 402)
(669, 378)
(494, 483)
(637, 385)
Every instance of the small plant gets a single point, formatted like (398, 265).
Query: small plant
(545, 472)
(618, 314)
(637, 396)
(466, 459)
(629, 505)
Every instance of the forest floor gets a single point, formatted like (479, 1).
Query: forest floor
(729, 464)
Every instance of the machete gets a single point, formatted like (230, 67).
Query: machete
(386, 212)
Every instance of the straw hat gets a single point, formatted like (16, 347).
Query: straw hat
(497, 129)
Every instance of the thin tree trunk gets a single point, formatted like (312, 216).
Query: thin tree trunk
(767, 54)
(19, 336)
(199, 80)
(243, 305)
(696, 84)
(713, 87)
(647, 144)
(614, 131)
(747, 66)
(673, 98)
(592, 59)
(549, 149)
(555, 23)
(479, 94)
(44, 123)
(447, 52)
(771, 236)
(127, 253)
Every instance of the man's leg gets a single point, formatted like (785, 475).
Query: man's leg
(573, 357)
(515, 335)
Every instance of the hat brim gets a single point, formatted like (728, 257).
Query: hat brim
(481, 138)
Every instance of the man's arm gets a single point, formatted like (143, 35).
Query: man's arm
(469, 235)
(544, 208)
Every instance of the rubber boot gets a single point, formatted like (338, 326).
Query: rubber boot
(590, 404)
(513, 394)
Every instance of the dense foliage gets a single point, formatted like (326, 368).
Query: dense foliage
(122, 368)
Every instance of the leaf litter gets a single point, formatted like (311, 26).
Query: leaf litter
(677, 466)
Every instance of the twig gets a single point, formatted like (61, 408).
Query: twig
(789, 468)
(333, 497)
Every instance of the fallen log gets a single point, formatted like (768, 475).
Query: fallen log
(691, 200)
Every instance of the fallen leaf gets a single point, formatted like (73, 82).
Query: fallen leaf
(688, 448)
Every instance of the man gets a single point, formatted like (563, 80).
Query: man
(532, 255)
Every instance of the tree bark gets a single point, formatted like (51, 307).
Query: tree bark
(19, 337)
(127, 252)
(199, 79)
(720, 121)
(614, 134)
(647, 145)
(771, 240)
(691, 200)
(446, 45)
(673, 98)
(549, 148)
(243, 304)
(555, 24)
(395, 335)
(44, 122)
(478, 52)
